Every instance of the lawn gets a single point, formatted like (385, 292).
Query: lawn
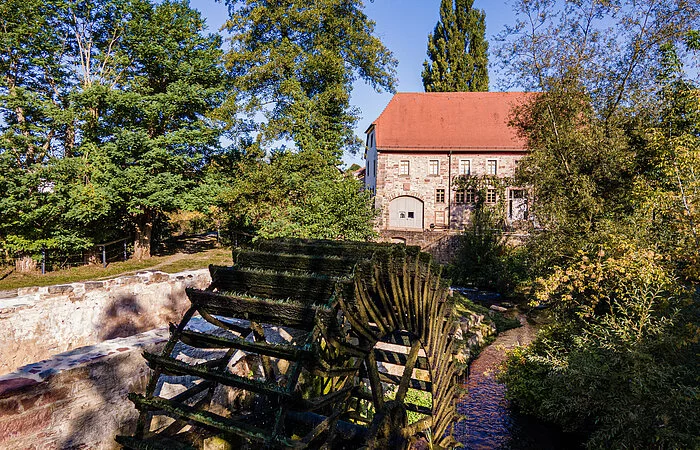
(170, 264)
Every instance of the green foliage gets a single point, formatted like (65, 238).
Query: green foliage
(457, 50)
(295, 61)
(298, 195)
(484, 258)
(617, 362)
(105, 118)
(614, 144)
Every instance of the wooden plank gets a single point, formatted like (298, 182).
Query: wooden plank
(304, 288)
(288, 352)
(291, 314)
(175, 367)
(318, 264)
(208, 419)
(398, 358)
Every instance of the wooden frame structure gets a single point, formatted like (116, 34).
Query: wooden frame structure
(372, 331)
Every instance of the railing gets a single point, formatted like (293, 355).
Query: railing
(105, 253)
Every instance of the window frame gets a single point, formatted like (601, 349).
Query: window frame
(407, 167)
(440, 195)
(459, 167)
(436, 166)
(491, 196)
(495, 167)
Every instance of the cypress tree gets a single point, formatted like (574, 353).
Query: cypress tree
(457, 50)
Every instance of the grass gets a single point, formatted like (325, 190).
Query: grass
(170, 264)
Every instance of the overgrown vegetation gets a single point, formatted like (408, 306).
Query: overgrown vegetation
(485, 259)
(614, 139)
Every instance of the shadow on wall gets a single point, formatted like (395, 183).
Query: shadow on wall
(100, 409)
(128, 315)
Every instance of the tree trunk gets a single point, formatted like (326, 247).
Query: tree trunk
(142, 241)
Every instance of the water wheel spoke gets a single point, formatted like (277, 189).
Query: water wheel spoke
(408, 371)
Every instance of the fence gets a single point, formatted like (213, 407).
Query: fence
(118, 250)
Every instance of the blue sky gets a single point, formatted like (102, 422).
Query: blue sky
(403, 26)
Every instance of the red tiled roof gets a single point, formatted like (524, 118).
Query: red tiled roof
(449, 120)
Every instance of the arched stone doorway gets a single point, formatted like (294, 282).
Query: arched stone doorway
(406, 212)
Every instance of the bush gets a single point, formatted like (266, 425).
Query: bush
(485, 259)
(620, 362)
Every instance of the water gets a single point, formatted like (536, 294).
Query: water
(490, 423)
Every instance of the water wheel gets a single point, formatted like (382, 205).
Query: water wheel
(307, 344)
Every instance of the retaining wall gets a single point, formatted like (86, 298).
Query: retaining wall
(38, 322)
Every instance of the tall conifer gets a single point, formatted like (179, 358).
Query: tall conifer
(457, 50)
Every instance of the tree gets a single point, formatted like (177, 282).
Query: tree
(107, 117)
(294, 62)
(457, 50)
(155, 136)
(614, 140)
(298, 194)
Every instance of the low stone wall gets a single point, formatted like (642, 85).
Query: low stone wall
(38, 322)
(76, 400)
(441, 244)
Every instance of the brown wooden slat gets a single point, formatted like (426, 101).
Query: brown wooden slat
(175, 367)
(291, 314)
(202, 340)
(398, 358)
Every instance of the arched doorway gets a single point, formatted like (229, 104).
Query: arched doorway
(406, 212)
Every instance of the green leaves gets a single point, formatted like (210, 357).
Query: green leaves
(457, 50)
(294, 62)
(299, 195)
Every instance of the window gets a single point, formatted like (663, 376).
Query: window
(491, 196)
(439, 196)
(403, 168)
(469, 196)
(434, 167)
(459, 196)
(374, 168)
(491, 167)
(465, 167)
(411, 214)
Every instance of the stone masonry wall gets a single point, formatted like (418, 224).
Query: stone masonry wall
(76, 400)
(420, 184)
(36, 323)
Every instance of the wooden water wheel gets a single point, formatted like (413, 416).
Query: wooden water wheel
(307, 344)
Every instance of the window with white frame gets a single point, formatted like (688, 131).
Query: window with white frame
(434, 167)
(490, 196)
(465, 167)
(404, 168)
(439, 196)
(491, 167)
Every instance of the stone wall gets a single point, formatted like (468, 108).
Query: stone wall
(36, 323)
(441, 244)
(419, 183)
(76, 400)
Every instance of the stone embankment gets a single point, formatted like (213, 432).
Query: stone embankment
(38, 322)
(73, 352)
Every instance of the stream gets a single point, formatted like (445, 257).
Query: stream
(489, 422)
